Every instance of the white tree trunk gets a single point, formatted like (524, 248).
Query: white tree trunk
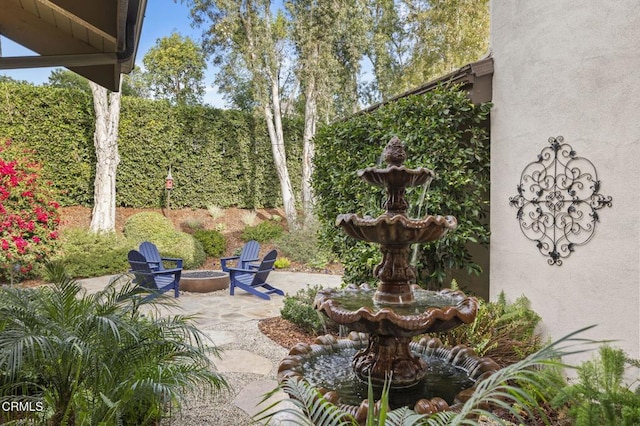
(276, 136)
(105, 140)
(308, 148)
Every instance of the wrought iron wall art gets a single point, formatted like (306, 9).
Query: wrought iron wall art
(558, 201)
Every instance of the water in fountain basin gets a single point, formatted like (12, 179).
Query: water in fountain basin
(334, 372)
(424, 299)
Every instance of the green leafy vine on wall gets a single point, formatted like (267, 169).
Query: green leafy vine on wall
(442, 130)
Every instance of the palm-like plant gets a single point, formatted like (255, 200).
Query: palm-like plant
(505, 388)
(107, 356)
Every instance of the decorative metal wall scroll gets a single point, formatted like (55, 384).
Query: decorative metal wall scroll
(558, 201)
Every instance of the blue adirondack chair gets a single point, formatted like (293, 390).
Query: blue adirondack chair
(255, 280)
(248, 255)
(156, 262)
(155, 281)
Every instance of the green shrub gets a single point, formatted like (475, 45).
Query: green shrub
(299, 310)
(502, 331)
(143, 226)
(302, 245)
(213, 242)
(181, 245)
(100, 358)
(262, 232)
(282, 263)
(88, 254)
(601, 397)
(153, 227)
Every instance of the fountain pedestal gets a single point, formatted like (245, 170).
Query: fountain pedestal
(395, 275)
(389, 358)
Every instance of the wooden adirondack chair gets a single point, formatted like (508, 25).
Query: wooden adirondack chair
(156, 281)
(248, 255)
(255, 280)
(156, 262)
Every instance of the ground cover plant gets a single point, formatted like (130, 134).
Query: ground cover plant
(303, 245)
(29, 215)
(213, 242)
(600, 397)
(263, 232)
(102, 358)
(503, 331)
(298, 309)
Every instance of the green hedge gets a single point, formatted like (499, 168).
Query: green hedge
(155, 228)
(443, 131)
(217, 156)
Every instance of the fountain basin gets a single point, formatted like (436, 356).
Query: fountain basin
(395, 176)
(453, 374)
(430, 312)
(204, 281)
(395, 229)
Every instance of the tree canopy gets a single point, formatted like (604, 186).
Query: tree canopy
(175, 70)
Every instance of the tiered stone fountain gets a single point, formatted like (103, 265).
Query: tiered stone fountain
(385, 321)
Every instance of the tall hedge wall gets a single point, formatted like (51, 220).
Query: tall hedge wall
(220, 157)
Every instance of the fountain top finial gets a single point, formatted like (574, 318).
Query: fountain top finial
(394, 153)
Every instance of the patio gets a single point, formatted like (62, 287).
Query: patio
(250, 359)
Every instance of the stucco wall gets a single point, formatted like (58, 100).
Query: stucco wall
(564, 69)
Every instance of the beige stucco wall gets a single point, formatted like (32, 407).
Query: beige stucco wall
(573, 70)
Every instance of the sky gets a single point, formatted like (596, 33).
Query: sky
(162, 17)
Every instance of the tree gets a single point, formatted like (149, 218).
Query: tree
(413, 41)
(65, 79)
(388, 48)
(175, 69)
(133, 84)
(105, 140)
(246, 34)
(320, 42)
(450, 33)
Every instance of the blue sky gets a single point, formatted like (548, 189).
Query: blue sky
(161, 19)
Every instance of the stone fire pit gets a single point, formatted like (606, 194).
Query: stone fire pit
(203, 281)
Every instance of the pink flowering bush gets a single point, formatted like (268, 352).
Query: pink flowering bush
(29, 217)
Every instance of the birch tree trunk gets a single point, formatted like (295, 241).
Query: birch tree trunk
(105, 141)
(308, 148)
(273, 117)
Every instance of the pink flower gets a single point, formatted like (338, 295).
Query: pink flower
(5, 244)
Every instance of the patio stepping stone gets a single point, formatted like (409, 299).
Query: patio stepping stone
(251, 395)
(240, 361)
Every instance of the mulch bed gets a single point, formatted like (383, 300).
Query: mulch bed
(284, 333)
